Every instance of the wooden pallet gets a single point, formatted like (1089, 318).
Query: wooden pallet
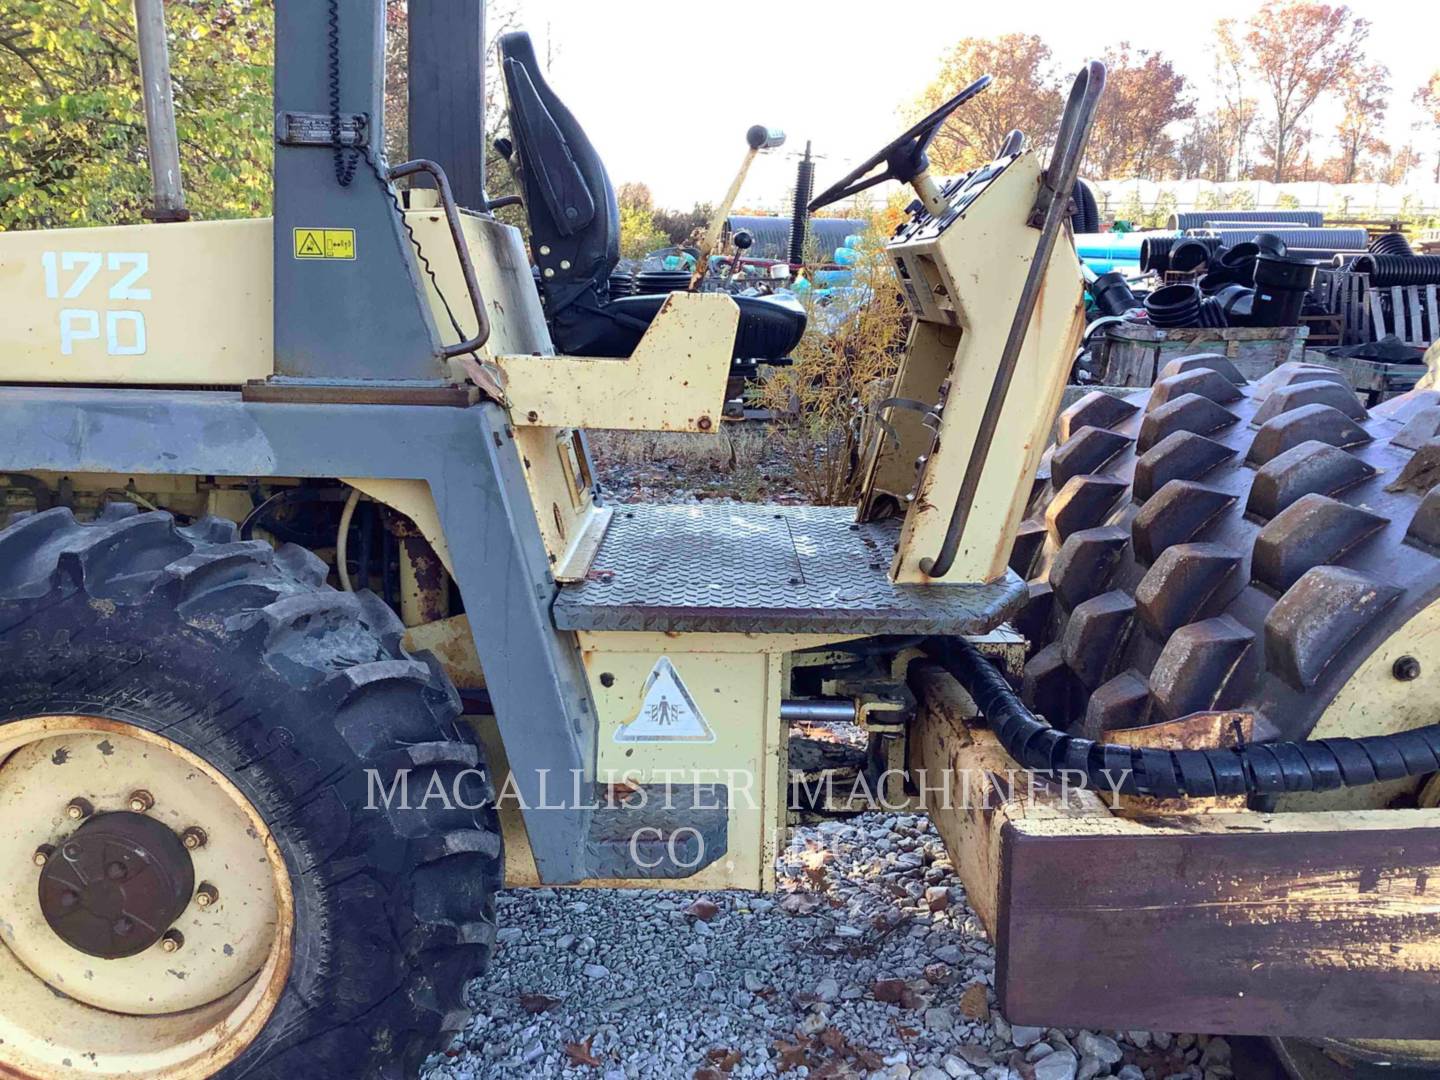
(1414, 313)
(1130, 354)
(1414, 309)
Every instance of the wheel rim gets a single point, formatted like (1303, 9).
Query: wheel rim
(194, 889)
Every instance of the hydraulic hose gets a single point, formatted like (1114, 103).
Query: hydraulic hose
(1249, 769)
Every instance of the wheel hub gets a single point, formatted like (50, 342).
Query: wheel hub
(116, 885)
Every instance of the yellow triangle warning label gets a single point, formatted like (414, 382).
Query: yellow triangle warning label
(667, 712)
(308, 244)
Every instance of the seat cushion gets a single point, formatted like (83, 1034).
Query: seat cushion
(769, 327)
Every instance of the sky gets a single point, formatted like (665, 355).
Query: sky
(667, 89)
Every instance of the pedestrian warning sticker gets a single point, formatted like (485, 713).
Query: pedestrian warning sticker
(667, 711)
(324, 243)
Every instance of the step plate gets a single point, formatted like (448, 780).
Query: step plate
(766, 568)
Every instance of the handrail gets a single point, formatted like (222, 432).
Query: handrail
(462, 250)
(1049, 213)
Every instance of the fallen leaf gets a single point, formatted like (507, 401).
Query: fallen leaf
(792, 1055)
(708, 1074)
(538, 1003)
(834, 1040)
(620, 792)
(703, 909)
(869, 1059)
(723, 1058)
(579, 1053)
(973, 1002)
(906, 1032)
(894, 992)
(800, 903)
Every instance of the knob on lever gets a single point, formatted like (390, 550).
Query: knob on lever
(758, 138)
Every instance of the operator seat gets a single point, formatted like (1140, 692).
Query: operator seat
(575, 231)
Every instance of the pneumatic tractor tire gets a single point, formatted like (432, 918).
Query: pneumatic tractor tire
(1271, 547)
(199, 876)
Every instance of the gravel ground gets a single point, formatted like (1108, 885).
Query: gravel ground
(865, 963)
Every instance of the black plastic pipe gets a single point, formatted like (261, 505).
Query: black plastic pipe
(1112, 294)
(1250, 769)
(1199, 219)
(1399, 269)
(1192, 253)
(1280, 288)
(1309, 239)
(1174, 306)
(1155, 253)
(1212, 315)
(1391, 243)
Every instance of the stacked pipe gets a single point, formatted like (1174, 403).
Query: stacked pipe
(1307, 243)
(1200, 219)
(1254, 282)
(1391, 243)
(662, 281)
(1387, 270)
(621, 284)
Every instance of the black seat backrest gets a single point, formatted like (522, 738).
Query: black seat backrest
(574, 219)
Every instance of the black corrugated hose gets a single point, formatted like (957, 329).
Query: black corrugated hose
(1390, 243)
(1248, 769)
(1399, 269)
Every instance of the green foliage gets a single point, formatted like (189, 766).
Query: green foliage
(639, 233)
(1286, 201)
(72, 124)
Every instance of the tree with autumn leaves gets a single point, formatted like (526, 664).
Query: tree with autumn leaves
(72, 139)
(1269, 75)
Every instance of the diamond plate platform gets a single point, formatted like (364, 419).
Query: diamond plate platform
(757, 568)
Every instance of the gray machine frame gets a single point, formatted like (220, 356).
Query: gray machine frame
(356, 354)
(470, 460)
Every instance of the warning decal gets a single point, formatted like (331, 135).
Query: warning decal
(667, 711)
(324, 243)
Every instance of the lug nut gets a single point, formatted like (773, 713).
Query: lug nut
(42, 854)
(78, 809)
(141, 802)
(194, 838)
(207, 894)
(1406, 668)
(172, 940)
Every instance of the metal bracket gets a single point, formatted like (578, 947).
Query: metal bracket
(317, 129)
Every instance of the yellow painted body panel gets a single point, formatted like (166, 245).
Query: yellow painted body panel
(1374, 702)
(180, 304)
(737, 681)
(674, 380)
(967, 284)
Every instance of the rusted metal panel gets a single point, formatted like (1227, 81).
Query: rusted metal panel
(1302, 924)
(1236, 923)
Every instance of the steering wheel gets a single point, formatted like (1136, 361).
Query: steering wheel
(904, 158)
